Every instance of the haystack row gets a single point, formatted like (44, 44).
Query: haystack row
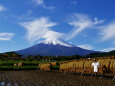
(84, 66)
(47, 66)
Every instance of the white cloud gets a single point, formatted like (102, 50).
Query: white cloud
(86, 46)
(6, 36)
(41, 3)
(40, 28)
(25, 16)
(53, 35)
(107, 50)
(108, 31)
(74, 2)
(81, 22)
(2, 8)
(49, 7)
(97, 21)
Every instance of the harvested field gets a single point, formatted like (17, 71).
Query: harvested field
(106, 66)
(42, 78)
(45, 66)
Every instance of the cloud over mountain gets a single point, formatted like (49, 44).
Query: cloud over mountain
(53, 35)
(81, 22)
(86, 46)
(40, 28)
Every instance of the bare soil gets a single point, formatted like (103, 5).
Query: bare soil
(42, 78)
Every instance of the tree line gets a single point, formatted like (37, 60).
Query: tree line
(39, 57)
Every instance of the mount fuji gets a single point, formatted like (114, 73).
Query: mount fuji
(54, 47)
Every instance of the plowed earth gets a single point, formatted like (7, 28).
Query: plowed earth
(42, 78)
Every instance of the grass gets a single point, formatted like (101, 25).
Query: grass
(55, 67)
(18, 67)
(28, 65)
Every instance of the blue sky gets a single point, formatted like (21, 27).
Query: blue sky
(89, 24)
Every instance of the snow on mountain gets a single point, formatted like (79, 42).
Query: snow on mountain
(57, 42)
(54, 47)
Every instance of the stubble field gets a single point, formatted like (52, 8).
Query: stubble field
(42, 78)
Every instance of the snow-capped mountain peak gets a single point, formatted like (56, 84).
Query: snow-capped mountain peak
(54, 47)
(57, 42)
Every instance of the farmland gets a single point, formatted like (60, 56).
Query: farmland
(10, 65)
(59, 73)
(42, 78)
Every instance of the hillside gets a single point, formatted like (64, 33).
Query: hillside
(104, 54)
(54, 47)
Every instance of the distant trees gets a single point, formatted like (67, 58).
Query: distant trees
(9, 55)
(2, 55)
(49, 58)
(103, 54)
(31, 58)
(12, 54)
(67, 57)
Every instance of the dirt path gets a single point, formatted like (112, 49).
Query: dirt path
(42, 78)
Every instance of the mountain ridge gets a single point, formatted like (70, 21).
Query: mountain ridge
(54, 47)
(57, 41)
